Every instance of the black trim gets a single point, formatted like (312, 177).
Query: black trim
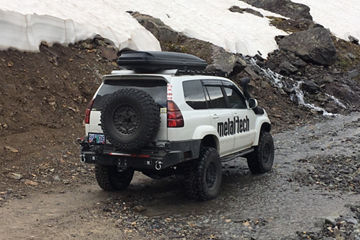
(170, 155)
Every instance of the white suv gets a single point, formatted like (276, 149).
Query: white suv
(162, 121)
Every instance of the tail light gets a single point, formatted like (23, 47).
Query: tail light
(174, 116)
(88, 111)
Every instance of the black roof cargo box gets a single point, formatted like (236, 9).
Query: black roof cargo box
(153, 61)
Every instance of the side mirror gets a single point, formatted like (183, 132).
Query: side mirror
(252, 103)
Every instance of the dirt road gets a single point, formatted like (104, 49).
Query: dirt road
(297, 195)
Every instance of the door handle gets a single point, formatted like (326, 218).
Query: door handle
(215, 116)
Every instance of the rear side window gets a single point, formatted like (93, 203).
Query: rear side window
(194, 94)
(217, 99)
(155, 88)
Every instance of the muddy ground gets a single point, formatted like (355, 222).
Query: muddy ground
(312, 193)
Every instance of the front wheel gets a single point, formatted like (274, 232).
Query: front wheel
(110, 179)
(203, 176)
(262, 159)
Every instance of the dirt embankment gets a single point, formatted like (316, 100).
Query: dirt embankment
(43, 97)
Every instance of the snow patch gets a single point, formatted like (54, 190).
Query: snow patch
(342, 17)
(26, 24)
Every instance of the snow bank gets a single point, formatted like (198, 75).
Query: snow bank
(342, 17)
(24, 24)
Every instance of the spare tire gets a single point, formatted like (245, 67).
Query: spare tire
(130, 119)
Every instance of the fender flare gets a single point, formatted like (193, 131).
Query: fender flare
(259, 123)
(207, 130)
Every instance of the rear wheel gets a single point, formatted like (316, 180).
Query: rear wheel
(203, 176)
(110, 179)
(262, 159)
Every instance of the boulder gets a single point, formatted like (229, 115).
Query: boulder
(310, 87)
(286, 8)
(287, 68)
(314, 45)
(226, 62)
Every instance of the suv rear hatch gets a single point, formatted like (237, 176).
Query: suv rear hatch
(155, 86)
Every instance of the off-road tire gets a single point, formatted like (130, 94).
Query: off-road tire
(109, 179)
(130, 119)
(203, 177)
(262, 159)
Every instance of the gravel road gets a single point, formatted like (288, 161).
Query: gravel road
(312, 193)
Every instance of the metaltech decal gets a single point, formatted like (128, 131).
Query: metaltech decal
(233, 126)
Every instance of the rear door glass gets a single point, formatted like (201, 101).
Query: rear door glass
(155, 88)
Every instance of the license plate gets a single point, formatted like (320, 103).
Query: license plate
(96, 138)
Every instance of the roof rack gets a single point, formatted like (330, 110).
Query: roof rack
(200, 72)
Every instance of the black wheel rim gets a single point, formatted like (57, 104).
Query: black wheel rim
(211, 175)
(126, 119)
(266, 153)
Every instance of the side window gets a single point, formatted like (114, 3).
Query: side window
(194, 94)
(236, 100)
(217, 99)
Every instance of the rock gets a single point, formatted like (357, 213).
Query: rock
(87, 45)
(248, 10)
(353, 40)
(310, 87)
(314, 45)
(287, 68)
(225, 62)
(328, 79)
(10, 64)
(30, 182)
(330, 220)
(351, 56)
(109, 53)
(353, 73)
(139, 208)
(286, 8)
(162, 32)
(56, 178)
(11, 149)
(16, 176)
(351, 220)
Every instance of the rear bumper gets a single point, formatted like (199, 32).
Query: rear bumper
(171, 154)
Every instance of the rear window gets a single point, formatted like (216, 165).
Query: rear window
(155, 88)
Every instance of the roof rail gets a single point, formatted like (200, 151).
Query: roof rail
(200, 72)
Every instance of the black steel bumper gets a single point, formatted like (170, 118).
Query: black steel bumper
(170, 154)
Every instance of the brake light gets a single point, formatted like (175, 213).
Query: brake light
(174, 115)
(88, 111)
